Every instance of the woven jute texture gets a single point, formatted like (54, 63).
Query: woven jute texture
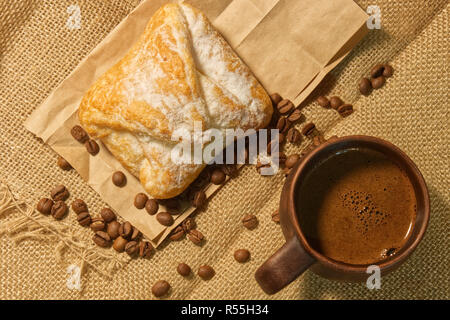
(37, 51)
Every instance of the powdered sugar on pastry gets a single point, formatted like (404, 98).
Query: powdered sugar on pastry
(180, 71)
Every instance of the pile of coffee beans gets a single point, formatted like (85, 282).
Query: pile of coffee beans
(79, 134)
(378, 75)
(56, 205)
(335, 103)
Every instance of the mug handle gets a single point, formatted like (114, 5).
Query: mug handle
(283, 267)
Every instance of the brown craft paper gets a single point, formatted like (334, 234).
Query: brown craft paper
(290, 45)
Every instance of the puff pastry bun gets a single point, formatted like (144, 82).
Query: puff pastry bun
(181, 70)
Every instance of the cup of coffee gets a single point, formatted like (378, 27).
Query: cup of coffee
(351, 203)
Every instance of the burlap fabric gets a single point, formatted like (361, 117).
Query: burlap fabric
(412, 111)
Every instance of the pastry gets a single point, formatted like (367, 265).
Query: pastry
(181, 74)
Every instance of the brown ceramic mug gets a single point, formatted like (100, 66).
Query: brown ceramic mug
(296, 255)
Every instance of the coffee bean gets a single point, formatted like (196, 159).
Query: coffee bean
(135, 234)
(151, 206)
(242, 255)
(308, 129)
(279, 158)
(59, 210)
(45, 206)
(188, 224)
(365, 86)
(125, 230)
(119, 244)
(160, 288)
(177, 233)
(145, 249)
(60, 193)
(108, 215)
(63, 164)
(250, 221)
(172, 205)
(377, 70)
(97, 224)
(218, 177)
(335, 102)
(377, 83)
(102, 239)
(345, 110)
(388, 71)
(92, 147)
(294, 136)
(283, 125)
(165, 218)
(285, 106)
(79, 206)
(295, 115)
(199, 199)
(272, 144)
(276, 98)
(276, 216)
(318, 140)
(84, 218)
(140, 200)
(113, 229)
(132, 248)
(260, 166)
(292, 160)
(79, 134)
(183, 269)
(119, 179)
(206, 272)
(230, 170)
(195, 236)
(323, 102)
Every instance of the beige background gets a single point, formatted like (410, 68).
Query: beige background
(412, 111)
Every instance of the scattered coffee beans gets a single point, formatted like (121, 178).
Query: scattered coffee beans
(335, 102)
(165, 218)
(308, 129)
(84, 218)
(60, 193)
(296, 115)
(119, 179)
(183, 269)
(97, 224)
(188, 225)
(63, 164)
(323, 102)
(108, 215)
(160, 288)
(45, 206)
(377, 70)
(199, 199)
(113, 229)
(195, 236)
(285, 106)
(79, 206)
(294, 136)
(217, 176)
(145, 249)
(345, 110)
(292, 160)
(242, 255)
(135, 234)
(151, 206)
(388, 71)
(176, 233)
(377, 83)
(59, 210)
(92, 147)
(102, 239)
(365, 86)
(132, 248)
(125, 230)
(276, 216)
(119, 244)
(79, 134)
(140, 200)
(276, 98)
(250, 221)
(206, 272)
